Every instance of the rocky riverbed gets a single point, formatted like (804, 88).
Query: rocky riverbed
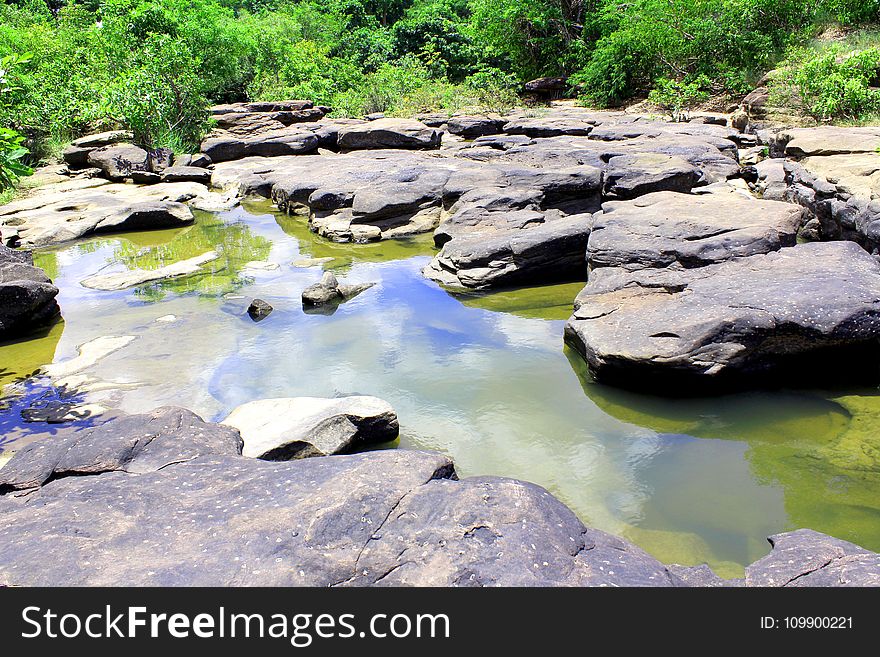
(701, 273)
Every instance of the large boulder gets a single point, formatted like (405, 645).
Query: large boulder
(221, 146)
(388, 133)
(27, 296)
(629, 176)
(302, 427)
(666, 228)
(164, 499)
(77, 153)
(118, 161)
(808, 309)
(471, 127)
(827, 140)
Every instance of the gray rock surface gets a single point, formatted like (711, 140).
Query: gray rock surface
(471, 127)
(388, 133)
(165, 500)
(666, 228)
(259, 310)
(808, 558)
(77, 153)
(186, 174)
(785, 313)
(27, 296)
(302, 427)
(118, 161)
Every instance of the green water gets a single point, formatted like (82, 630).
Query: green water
(482, 377)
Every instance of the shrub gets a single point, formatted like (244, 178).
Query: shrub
(832, 85)
(12, 152)
(677, 97)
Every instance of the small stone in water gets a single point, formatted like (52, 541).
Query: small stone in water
(259, 309)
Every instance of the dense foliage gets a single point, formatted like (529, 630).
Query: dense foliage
(154, 65)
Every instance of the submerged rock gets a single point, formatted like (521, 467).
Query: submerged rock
(302, 427)
(777, 315)
(133, 277)
(27, 295)
(329, 291)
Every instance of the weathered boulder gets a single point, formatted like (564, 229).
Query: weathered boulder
(221, 146)
(310, 522)
(666, 228)
(841, 193)
(514, 248)
(186, 174)
(808, 558)
(629, 176)
(779, 315)
(550, 126)
(329, 291)
(77, 153)
(302, 427)
(827, 140)
(80, 207)
(471, 127)
(755, 102)
(27, 296)
(547, 87)
(388, 133)
(118, 161)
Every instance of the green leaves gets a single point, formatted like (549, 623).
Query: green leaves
(11, 154)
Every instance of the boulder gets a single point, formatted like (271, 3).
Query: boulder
(145, 177)
(471, 127)
(302, 427)
(629, 176)
(222, 146)
(77, 153)
(259, 310)
(118, 161)
(808, 558)
(547, 87)
(388, 133)
(329, 291)
(165, 499)
(27, 296)
(827, 140)
(755, 102)
(514, 248)
(186, 174)
(550, 126)
(668, 228)
(785, 315)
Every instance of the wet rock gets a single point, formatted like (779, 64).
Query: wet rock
(808, 558)
(186, 174)
(259, 309)
(132, 277)
(329, 291)
(77, 153)
(303, 427)
(668, 228)
(89, 353)
(388, 133)
(779, 316)
(305, 263)
(27, 296)
(119, 161)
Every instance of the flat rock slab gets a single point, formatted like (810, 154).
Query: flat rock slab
(746, 319)
(164, 499)
(388, 133)
(131, 278)
(829, 140)
(81, 207)
(301, 427)
(27, 295)
(666, 228)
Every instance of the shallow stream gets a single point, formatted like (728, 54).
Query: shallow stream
(482, 378)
